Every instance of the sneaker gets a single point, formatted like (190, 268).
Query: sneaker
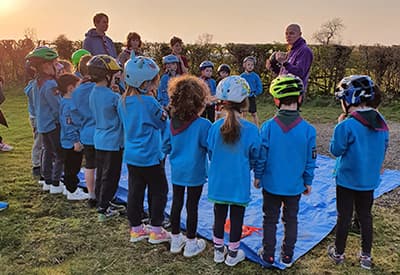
(156, 238)
(166, 223)
(56, 189)
(194, 247)
(36, 171)
(177, 243)
(334, 256)
(235, 257)
(78, 195)
(91, 203)
(5, 147)
(46, 186)
(65, 191)
(140, 235)
(106, 214)
(365, 260)
(3, 205)
(219, 254)
(41, 180)
(268, 261)
(286, 260)
(118, 207)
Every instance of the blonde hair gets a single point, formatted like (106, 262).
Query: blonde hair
(152, 86)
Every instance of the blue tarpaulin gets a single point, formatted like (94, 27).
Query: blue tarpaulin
(316, 219)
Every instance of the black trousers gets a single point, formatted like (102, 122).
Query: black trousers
(192, 205)
(271, 209)
(363, 201)
(236, 216)
(72, 166)
(209, 113)
(108, 173)
(154, 178)
(52, 159)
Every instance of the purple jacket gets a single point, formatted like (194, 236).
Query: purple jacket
(98, 44)
(299, 61)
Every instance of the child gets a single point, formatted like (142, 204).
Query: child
(286, 138)
(46, 107)
(108, 135)
(143, 119)
(76, 58)
(206, 70)
(171, 63)
(255, 83)
(80, 98)
(177, 47)
(4, 147)
(133, 43)
(69, 137)
(233, 145)
(67, 67)
(360, 142)
(187, 159)
(224, 70)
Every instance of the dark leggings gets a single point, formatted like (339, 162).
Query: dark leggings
(154, 178)
(362, 200)
(72, 166)
(192, 203)
(236, 216)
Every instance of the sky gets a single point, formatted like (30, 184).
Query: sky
(366, 22)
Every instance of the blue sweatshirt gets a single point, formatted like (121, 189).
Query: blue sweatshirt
(108, 134)
(46, 106)
(98, 44)
(69, 124)
(86, 121)
(229, 173)
(162, 92)
(287, 157)
(360, 143)
(187, 147)
(212, 84)
(143, 120)
(28, 90)
(255, 83)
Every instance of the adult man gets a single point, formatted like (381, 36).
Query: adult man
(96, 41)
(299, 58)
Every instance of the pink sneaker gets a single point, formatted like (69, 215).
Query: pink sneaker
(140, 235)
(5, 147)
(156, 238)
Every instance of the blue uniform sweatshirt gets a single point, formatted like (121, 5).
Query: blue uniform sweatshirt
(46, 105)
(255, 83)
(108, 135)
(229, 173)
(287, 157)
(28, 90)
(187, 149)
(143, 120)
(361, 149)
(87, 124)
(162, 92)
(212, 84)
(69, 124)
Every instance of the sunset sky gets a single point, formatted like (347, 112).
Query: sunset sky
(252, 21)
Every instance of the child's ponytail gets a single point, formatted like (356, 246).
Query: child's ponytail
(230, 130)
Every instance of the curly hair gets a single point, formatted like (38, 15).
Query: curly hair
(187, 96)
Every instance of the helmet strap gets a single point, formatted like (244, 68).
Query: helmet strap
(109, 79)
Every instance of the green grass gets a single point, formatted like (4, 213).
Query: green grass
(45, 234)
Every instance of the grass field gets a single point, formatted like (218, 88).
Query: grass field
(45, 234)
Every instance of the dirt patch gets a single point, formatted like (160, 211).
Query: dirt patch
(392, 161)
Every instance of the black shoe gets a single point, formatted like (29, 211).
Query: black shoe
(36, 172)
(92, 203)
(166, 223)
(267, 260)
(287, 260)
(118, 207)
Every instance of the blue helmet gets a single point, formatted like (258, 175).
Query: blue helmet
(139, 69)
(171, 58)
(355, 89)
(233, 88)
(250, 58)
(206, 64)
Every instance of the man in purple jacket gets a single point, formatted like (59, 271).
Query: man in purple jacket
(299, 58)
(96, 41)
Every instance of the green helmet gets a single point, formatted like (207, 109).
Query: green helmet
(285, 86)
(42, 53)
(77, 55)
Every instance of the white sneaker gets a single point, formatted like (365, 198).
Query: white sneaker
(232, 261)
(41, 181)
(65, 191)
(219, 257)
(177, 243)
(56, 189)
(78, 195)
(194, 247)
(46, 187)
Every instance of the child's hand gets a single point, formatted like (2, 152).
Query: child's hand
(341, 117)
(256, 183)
(308, 190)
(78, 146)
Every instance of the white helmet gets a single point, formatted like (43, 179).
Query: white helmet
(233, 88)
(139, 69)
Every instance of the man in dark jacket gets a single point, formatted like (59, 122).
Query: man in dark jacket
(96, 41)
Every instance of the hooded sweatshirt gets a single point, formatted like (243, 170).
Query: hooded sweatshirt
(99, 44)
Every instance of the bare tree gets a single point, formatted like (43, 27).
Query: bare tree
(204, 39)
(329, 31)
(30, 33)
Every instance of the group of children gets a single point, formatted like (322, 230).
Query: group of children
(151, 120)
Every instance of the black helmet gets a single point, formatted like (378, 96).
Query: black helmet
(224, 68)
